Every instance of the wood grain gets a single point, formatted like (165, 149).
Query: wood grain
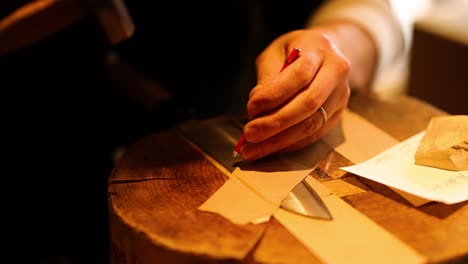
(159, 182)
(154, 193)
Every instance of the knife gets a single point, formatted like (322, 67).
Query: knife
(305, 201)
(217, 138)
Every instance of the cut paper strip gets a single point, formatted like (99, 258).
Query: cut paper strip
(349, 238)
(357, 139)
(358, 238)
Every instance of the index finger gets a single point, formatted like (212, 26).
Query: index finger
(275, 92)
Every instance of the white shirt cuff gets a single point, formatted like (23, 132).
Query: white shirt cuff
(375, 17)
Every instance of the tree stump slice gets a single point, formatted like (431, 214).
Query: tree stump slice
(159, 182)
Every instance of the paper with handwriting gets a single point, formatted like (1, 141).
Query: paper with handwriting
(396, 168)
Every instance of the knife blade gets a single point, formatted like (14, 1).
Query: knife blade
(217, 139)
(305, 201)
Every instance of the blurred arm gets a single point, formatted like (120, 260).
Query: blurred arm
(369, 34)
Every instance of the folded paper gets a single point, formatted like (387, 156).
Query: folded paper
(395, 167)
(445, 143)
(239, 203)
(255, 190)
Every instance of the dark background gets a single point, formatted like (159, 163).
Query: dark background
(64, 116)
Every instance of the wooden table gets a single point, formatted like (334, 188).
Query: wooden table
(159, 182)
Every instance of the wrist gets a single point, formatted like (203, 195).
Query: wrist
(358, 47)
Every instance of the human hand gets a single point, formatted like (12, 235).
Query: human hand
(284, 105)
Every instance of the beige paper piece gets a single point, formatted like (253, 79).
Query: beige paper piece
(274, 178)
(445, 144)
(349, 238)
(278, 186)
(240, 204)
(363, 140)
(250, 196)
(359, 140)
(254, 191)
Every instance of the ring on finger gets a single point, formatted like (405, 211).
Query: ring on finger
(324, 115)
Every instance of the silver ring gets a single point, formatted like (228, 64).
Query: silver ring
(324, 115)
